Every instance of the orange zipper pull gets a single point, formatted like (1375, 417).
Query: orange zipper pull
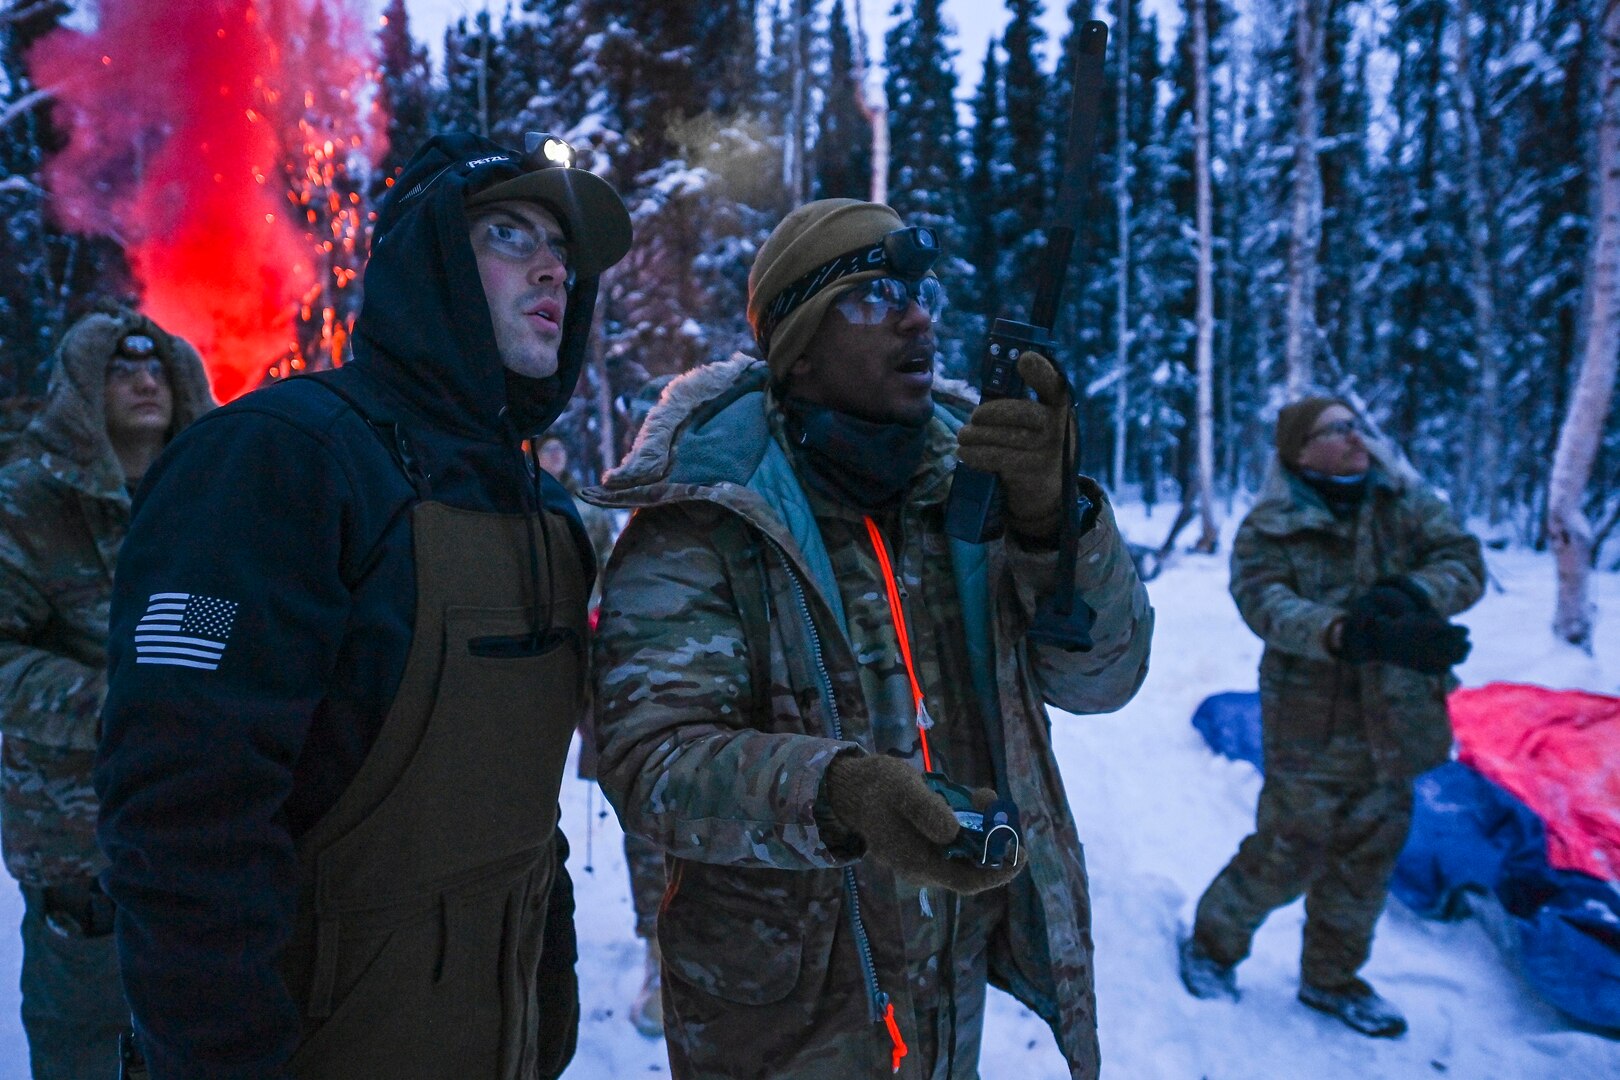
(899, 1050)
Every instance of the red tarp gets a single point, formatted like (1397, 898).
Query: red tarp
(1558, 751)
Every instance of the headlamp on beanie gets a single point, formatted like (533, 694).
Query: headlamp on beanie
(909, 252)
(137, 346)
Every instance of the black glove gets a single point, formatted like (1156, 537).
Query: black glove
(1425, 643)
(888, 804)
(1396, 595)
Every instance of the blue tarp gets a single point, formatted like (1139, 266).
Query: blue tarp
(1464, 828)
(1469, 836)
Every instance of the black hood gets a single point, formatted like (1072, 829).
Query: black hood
(424, 328)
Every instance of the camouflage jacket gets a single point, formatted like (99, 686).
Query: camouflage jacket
(1295, 568)
(759, 927)
(64, 510)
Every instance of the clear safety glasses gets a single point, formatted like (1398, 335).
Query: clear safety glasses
(870, 302)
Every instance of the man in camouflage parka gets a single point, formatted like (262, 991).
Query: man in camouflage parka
(756, 715)
(120, 389)
(1350, 573)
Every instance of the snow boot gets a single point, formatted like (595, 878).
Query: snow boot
(1359, 1007)
(647, 1011)
(1203, 975)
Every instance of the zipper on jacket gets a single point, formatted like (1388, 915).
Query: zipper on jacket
(879, 1008)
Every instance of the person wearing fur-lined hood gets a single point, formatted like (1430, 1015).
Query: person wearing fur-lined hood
(120, 390)
(789, 641)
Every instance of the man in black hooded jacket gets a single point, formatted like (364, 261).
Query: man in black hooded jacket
(347, 658)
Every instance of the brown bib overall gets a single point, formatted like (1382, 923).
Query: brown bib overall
(424, 889)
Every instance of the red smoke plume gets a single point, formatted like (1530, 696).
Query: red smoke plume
(193, 123)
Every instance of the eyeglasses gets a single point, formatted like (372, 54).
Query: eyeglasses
(871, 302)
(121, 367)
(516, 240)
(1338, 429)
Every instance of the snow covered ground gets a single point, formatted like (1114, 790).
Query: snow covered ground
(1159, 815)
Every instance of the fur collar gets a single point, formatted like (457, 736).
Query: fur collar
(69, 436)
(705, 392)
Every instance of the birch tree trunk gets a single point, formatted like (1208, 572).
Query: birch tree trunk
(1484, 455)
(1122, 207)
(1567, 526)
(793, 139)
(607, 443)
(876, 110)
(1304, 212)
(1209, 535)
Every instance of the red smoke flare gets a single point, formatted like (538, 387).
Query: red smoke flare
(180, 137)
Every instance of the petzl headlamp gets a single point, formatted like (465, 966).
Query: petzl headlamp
(586, 206)
(908, 253)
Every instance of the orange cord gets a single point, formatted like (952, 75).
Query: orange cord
(898, 615)
(899, 1049)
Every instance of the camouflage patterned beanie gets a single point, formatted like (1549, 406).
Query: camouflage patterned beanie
(1294, 424)
(807, 238)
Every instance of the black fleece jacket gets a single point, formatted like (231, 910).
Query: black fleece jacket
(288, 505)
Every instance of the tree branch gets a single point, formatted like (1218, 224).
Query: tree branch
(18, 108)
(18, 183)
(23, 9)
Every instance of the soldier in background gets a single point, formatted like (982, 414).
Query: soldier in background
(1349, 573)
(121, 388)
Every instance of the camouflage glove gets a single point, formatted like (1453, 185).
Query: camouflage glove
(1418, 642)
(887, 803)
(1021, 441)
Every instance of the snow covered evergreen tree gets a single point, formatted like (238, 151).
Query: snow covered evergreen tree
(1032, 112)
(982, 199)
(405, 94)
(1421, 376)
(843, 155)
(1346, 244)
(673, 114)
(925, 167)
(51, 276)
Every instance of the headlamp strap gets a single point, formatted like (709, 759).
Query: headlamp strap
(909, 252)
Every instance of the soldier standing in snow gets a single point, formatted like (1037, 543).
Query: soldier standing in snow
(120, 390)
(1349, 574)
(348, 657)
(788, 639)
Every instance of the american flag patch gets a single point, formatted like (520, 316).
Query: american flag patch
(184, 630)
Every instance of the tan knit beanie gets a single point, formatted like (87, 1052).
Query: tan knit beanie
(811, 235)
(1294, 424)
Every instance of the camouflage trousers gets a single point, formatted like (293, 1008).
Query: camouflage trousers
(1334, 840)
(73, 1005)
(645, 861)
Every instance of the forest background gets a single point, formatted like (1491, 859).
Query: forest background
(1413, 205)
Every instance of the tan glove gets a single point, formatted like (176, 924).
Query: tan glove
(1021, 441)
(887, 803)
